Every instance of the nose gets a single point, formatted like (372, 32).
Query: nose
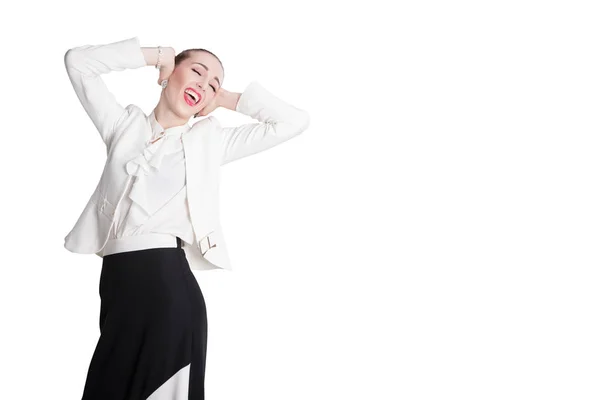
(202, 85)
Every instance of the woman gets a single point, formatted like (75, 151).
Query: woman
(154, 216)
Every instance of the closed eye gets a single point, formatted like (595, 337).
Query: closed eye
(213, 88)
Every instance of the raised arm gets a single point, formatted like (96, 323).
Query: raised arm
(279, 121)
(85, 65)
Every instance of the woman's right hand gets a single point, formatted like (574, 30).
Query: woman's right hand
(167, 63)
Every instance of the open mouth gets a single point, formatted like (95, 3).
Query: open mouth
(191, 97)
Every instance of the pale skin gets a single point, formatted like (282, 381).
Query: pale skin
(172, 109)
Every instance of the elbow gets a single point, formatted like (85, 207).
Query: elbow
(290, 129)
(76, 58)
(305, 121)
(300, 123)
(70, 58)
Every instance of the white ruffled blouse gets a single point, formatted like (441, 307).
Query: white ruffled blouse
(156, 201)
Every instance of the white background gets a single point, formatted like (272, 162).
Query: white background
(432, 235)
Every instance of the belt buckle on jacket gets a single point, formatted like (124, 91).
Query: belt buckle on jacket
(206, 239)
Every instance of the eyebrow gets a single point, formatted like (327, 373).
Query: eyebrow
(206, 68)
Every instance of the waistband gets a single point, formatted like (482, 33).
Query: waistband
(141, 242)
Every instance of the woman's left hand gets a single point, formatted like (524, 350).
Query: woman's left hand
(216, 102)
(223, 98)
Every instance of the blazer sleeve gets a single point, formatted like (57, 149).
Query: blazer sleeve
(278, 122)
(85, 66)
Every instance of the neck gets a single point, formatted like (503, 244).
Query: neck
(166, 117)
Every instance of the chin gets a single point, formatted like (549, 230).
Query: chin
(185, 111)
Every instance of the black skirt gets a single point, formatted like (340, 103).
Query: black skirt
(153, 329)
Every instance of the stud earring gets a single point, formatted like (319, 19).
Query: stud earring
(163, 83)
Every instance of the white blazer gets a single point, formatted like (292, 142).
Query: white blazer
(126, 131)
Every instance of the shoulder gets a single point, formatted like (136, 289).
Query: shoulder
(207, 123)
(129, 111)
(133, 109)
(214, 121)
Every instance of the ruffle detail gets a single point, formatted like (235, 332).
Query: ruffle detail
(152, 156)
(143, 164)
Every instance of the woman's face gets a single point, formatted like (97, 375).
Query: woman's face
(200, 73)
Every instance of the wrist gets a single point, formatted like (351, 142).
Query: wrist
(151, 55)
(229, 100)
